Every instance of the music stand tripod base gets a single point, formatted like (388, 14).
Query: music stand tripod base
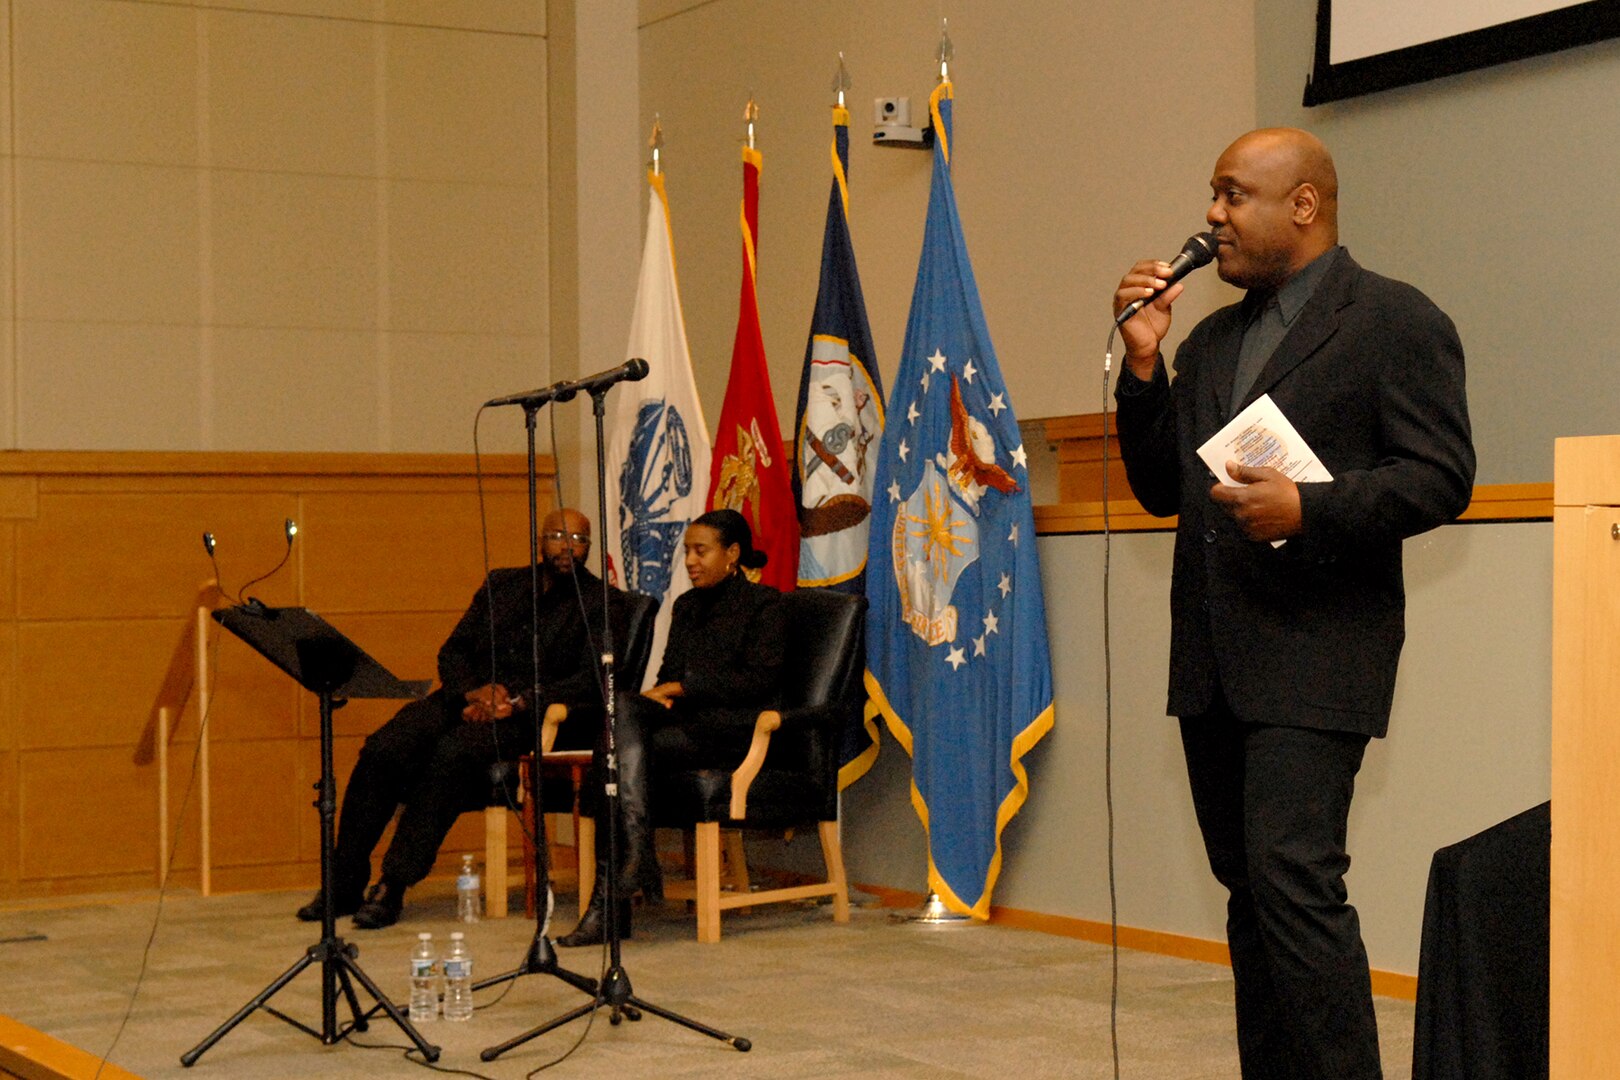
(323, 661)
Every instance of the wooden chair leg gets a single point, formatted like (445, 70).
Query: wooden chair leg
(586, 839)
(833, 853)
(736, 861)
(708, 882)
(495, 861)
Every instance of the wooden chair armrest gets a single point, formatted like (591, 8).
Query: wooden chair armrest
(743, 777)
(556, 713)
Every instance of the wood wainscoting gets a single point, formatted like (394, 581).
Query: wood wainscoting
(101, 559)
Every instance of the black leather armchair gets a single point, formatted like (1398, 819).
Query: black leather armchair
(789, 777)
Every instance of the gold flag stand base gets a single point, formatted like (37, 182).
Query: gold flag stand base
(934, 914)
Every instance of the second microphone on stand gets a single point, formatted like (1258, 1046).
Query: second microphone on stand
(631, 370)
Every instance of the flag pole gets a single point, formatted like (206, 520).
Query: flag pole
(934, 913)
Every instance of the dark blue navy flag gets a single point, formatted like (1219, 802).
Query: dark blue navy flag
(957, 660)
(837, 432)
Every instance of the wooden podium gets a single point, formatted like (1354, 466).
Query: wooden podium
(1585, 957)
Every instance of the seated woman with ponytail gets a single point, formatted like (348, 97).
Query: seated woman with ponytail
(721, 668)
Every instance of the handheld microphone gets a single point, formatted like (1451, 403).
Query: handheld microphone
(631, 370)
(1197, 251)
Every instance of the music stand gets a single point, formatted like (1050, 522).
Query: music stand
(321, 660)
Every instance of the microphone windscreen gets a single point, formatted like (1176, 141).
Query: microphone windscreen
(1199, 248)
(635, 369)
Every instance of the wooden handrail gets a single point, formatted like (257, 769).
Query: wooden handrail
(187, 670)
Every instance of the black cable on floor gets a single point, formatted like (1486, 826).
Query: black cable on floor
(174, 851)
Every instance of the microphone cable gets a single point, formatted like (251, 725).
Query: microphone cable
(524, 822)
(1108, 713)
(212, 648)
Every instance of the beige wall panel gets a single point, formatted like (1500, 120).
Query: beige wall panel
(294, 251)
(8, 376)
(106, 81)
(1050, 216)
(437, 381)
(257, 798)
(99, 556)
(106, 243)
(466, 106)
(501, 16)
(5, 79)
(88, 812)
(295, 389)
(291, 95)
(406, 552)
(89, 684)
(468, 258)
(107, 386)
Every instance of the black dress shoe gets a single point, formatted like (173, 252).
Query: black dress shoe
(346, 904)
(382, 907)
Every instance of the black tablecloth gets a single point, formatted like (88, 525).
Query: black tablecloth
(1482, 971)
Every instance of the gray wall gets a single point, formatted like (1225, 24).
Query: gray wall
(1468, 745)
(1495, 193)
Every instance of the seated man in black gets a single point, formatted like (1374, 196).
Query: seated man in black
(434, 752)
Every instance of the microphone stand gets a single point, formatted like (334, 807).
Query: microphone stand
(541, 957)
(613, 992)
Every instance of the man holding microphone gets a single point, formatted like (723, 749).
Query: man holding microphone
(1283, 655)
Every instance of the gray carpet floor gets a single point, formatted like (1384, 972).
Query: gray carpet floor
(869, 999)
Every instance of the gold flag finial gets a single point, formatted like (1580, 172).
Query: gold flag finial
(751, 115)
(947, 52)
(841, 81)
(655, 143)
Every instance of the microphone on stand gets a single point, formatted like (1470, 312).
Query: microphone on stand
(1197, 251)
(631, 370)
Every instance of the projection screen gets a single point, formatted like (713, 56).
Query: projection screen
(1368, 45)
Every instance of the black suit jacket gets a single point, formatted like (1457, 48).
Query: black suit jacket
(1308, 634)
(568, 659)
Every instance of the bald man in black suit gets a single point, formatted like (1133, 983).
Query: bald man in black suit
(1283, 657)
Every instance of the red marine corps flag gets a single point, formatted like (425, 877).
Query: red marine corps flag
(749, 471)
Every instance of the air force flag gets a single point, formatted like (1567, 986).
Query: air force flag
(957, 660)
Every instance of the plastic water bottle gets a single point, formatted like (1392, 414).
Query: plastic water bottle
(469, 904)
(424, 980)
(458, 1003)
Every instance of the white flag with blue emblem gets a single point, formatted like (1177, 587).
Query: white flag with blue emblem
(658, 444)
(957, 659)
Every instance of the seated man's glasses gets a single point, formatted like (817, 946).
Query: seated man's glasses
(558, 536)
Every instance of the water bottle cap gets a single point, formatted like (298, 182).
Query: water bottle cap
(424, 936)
(456, 935)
